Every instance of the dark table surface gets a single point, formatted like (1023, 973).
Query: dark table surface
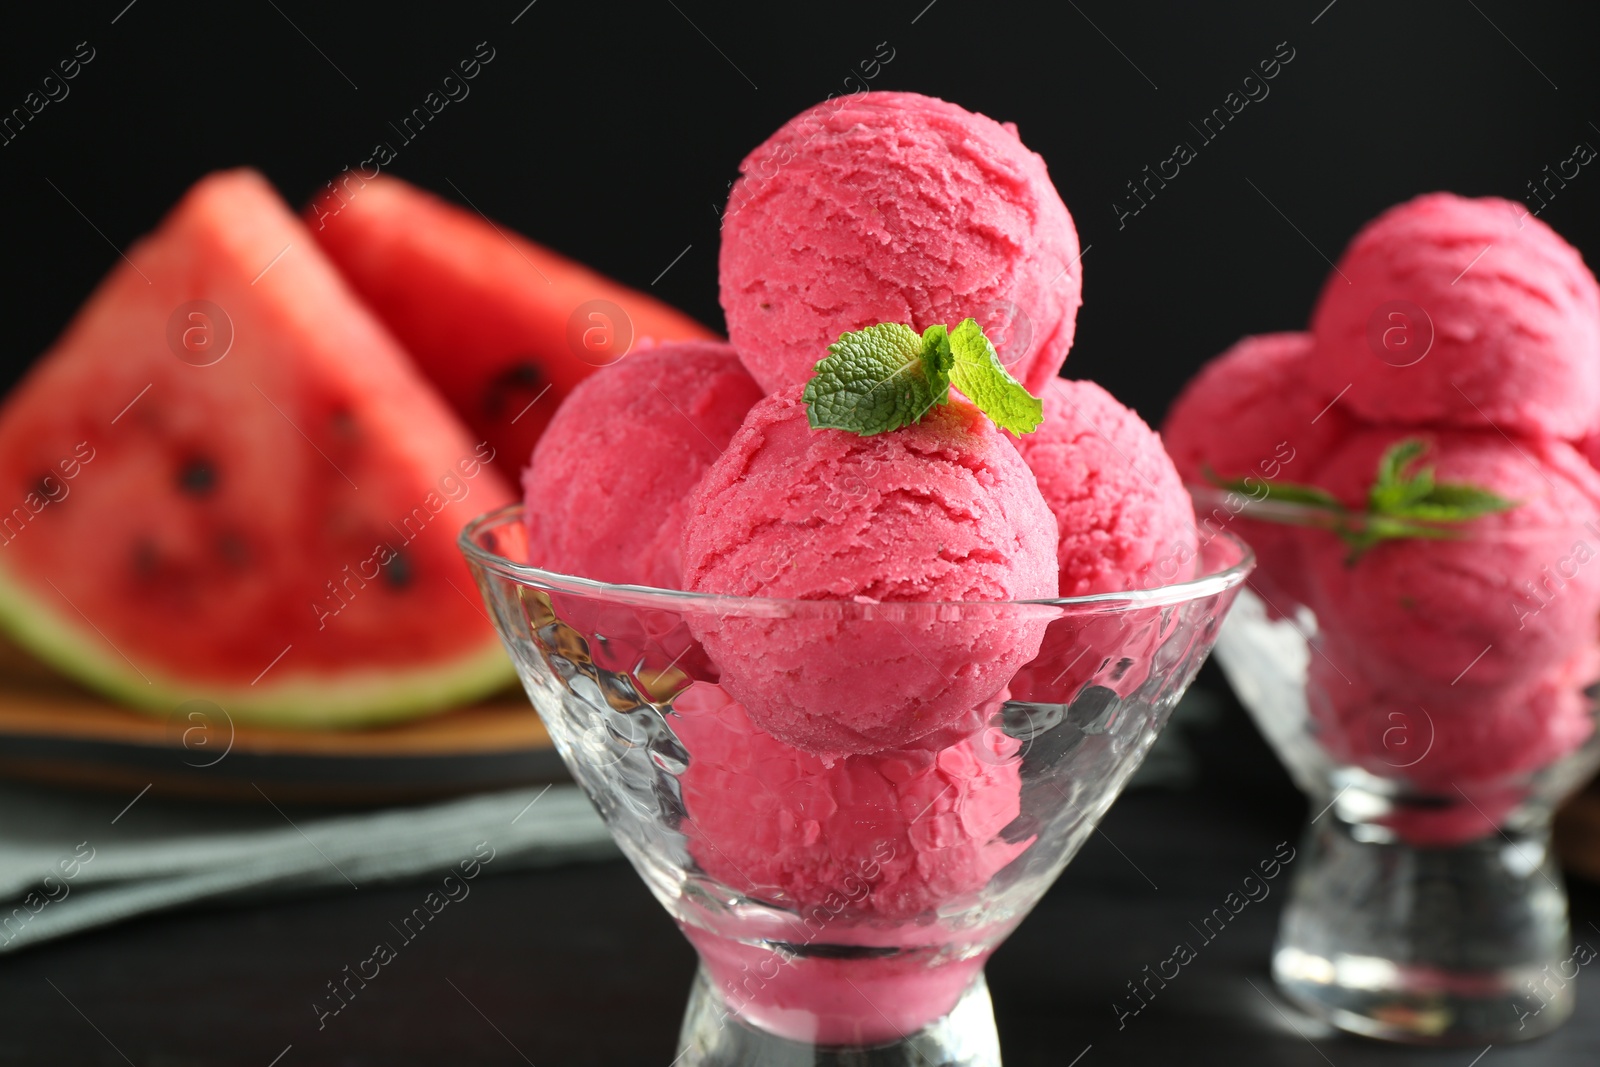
(580, 966)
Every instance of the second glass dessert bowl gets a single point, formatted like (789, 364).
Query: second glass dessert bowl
(843, 904)
(1435, 718)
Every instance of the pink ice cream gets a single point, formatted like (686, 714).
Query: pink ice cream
(1441, 737)
(1590, 447)
(833, 1001)
(1249, 414)
(856, 847)
(1124, 517)
(1469, 748)
(895, 207)
(608, 486)
(945, 510)
(1125, 523)
(891, 835)
(1513, 597)
(1461, 312)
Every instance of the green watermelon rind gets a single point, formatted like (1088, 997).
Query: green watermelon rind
(349, 700)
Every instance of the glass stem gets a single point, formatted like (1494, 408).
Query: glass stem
(1458, 944)
(713, 1036)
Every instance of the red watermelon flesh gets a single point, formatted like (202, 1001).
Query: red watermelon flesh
(496, 322)
(274, 531)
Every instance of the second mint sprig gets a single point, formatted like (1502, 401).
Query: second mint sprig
(1402, 502)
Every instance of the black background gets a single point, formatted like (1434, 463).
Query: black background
(610, 131)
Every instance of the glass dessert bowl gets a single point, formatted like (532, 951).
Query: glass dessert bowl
(1434, 733)
(844, 903)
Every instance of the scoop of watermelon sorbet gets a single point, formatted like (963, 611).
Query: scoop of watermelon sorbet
(1250, 415)
(1510, 597)
(1441, 737)
(944, 510)
(1125, 522)
(608, 485)
(1468, 750)
(895, 207)
(1124, 517)
(866, 850)
(1462, 312)
(895, 833)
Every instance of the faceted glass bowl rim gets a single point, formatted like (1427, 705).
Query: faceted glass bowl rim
(1207, 585)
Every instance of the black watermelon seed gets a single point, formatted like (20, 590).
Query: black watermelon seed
(520, 377)
(233, 549)
(344, 425)
(42, 485)
(145, 558)
(397, 572)
(197, 477)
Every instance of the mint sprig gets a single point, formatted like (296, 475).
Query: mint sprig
(979, 374)
(1404, 501)
(887, 376)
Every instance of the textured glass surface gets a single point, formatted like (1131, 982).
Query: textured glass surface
(846, 901)
(1427, 906)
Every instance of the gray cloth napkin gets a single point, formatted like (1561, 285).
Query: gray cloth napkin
(75, 861)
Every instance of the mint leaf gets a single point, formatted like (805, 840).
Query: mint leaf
(876, 380)
(936, 350)
(886, 376)
(1415, 505)
(978, 373)
(1277, 492)
(1401, 503)
(1419, 496)
(1309, 495)
(1396, 458)
(1467, 501)
(1397, 496)
(1392, 489)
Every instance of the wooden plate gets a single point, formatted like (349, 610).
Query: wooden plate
(51, 730)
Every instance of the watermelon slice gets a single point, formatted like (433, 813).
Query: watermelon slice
(502, 327)
(227, 481)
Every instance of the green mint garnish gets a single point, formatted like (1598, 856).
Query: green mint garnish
(1402, 502)
(878, 379)
(979, 374)
(887, 376)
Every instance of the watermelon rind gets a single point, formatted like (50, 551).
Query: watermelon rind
(350, 699)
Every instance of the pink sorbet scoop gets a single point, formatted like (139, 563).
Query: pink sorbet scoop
(609, 482)
(1250, 415)
(889, 835)
(1504, 600)
(1461, 312)
(895, 207)
(867, 851)
(945, 510)
(1124, 517)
